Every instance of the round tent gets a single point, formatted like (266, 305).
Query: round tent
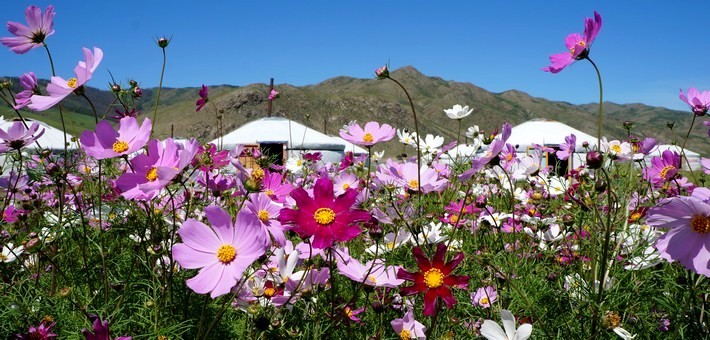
(276, 133)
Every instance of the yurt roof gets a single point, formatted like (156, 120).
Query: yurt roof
(280, 130)
(658, 150)
(546, 132)
(52, 138)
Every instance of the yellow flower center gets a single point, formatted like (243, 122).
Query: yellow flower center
(483, 301)
(257, 173)
(700, 224)
(3, 257)
(346, 186)
(414, 184)
(348, 312)
(226, 253)
(299, 162)
(509, 157)
(367, 138)
(324, 216)
(536, 196)
(152, 174)
(405, 335)
(664, 171)
(635, 217)
(453, 219)
(269, 192)
(263, 215)
(71, 82)
(269, 292)
(120, 146)
(616, 148)
(433, 278)
(390, 245)
(372, 279)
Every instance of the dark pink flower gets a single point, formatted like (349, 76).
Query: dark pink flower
(100, 330)
(327, 218)
(203, 98)
(577, 45)
(32, 36)
(41, 332)
(273, 95)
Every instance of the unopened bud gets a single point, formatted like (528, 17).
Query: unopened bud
(594, 159)
(116, 88)
(133, 83)
(163, 42)
(382, 72)
(137, 91)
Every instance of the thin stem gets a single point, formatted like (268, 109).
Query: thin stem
(601, 101)
(93, 108)
(51, 62)
(157, 97)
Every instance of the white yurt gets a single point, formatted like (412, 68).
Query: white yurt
(52, 139)
(549, 133)
(693, 158)
(277, 134)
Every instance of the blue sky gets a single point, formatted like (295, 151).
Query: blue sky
(646, 50)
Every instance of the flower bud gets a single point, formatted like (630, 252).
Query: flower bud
(585, 144)
(382, 72)
(163, 42)
(137, 91)
(594, 159)
(670, 125)
(65, 292)
(133, 83)
(628, 125)
(33, 245)
(600, 186)
(116, 88)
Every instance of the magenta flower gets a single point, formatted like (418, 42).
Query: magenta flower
(577, 45)
(688, 237)
(327, 218)
(267, 211)
(273, 95)
(371, 135)
(17, 136)
(41, 332)
(662, 168)
(699, 102)
(29, 84)
(108, 143)
(484, 296)
(223, 251)
(100, 330)
(567, 148)
(408, 328)
(59, 88)
(493, 150)
(32, 36)
(203, 98)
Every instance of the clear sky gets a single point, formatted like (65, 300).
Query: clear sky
(646, 50)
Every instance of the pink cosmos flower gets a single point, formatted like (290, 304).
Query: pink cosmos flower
(699, 102)
(17, 136)
(484, 296)
(567, 148)
(662, 168)
(32, 36)
(688, 222)
(493, 150)
(100, 330)
(327, 218)
(408, 179)
(705, 162)
(373, 273)
(152, 172)
(408, 328)
(41, 332)
(29, 84)
(59, 88)
(274, 186)
(372, 134)
(577, 45)
(273, 95)
(203, 98)
(344, 181)
(267, 211)
(108, 143)
(223, 251)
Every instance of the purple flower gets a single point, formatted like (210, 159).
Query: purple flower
(688, 237)
(29, 83)
(41, 332)
(373, 273)
(408, 328)
(273, 95)
(100, 331)
(203, 98)
(663, 168)
(59, 88)
(705, 162)
(567, 148)
(17, 136)
(32, 36)
(223, 251)
(484, 296)
(577, 45)
(372, 134)
(108, 143)
(493, 150)
(699, 102)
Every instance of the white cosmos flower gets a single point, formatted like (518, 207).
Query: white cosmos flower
(492, 331)
(406, 137)
(377, 155)
(431, 144)
(617, 149)
(458, 112)
(10, 253)
(474, 133)
(624, 334)
(431, 234)
(389, 242)
(295, 165)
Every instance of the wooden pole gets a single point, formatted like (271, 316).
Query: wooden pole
(271, 88)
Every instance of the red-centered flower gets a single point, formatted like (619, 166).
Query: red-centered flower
(327, 218)
(434, 278)
(203, 98)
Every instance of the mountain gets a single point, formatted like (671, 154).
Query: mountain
(329, 105)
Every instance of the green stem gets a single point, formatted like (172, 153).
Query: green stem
(601, 101)
(51, 62)
(157, 97)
